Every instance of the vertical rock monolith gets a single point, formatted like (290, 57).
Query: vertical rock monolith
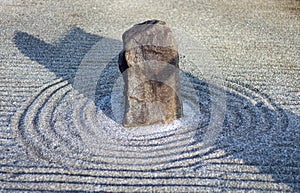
(149, 65)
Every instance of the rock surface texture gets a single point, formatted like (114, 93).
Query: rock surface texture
(149, 64)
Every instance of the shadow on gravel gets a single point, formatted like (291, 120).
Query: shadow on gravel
(268, 139)
(63, 57)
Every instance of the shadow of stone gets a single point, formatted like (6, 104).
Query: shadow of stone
(104, 89)
(255, 133)
(63, 57)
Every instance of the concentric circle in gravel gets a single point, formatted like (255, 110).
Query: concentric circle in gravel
(78, 122)
(63, 126)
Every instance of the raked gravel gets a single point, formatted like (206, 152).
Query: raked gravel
(60, 98)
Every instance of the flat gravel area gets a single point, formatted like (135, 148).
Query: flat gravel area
(61, 101)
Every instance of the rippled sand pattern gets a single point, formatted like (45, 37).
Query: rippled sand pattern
(61, 99)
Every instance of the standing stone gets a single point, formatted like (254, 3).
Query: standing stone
(149, 64)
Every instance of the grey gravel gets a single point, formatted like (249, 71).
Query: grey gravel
(59, 78)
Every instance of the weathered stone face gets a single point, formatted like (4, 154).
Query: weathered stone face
(149, 64)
